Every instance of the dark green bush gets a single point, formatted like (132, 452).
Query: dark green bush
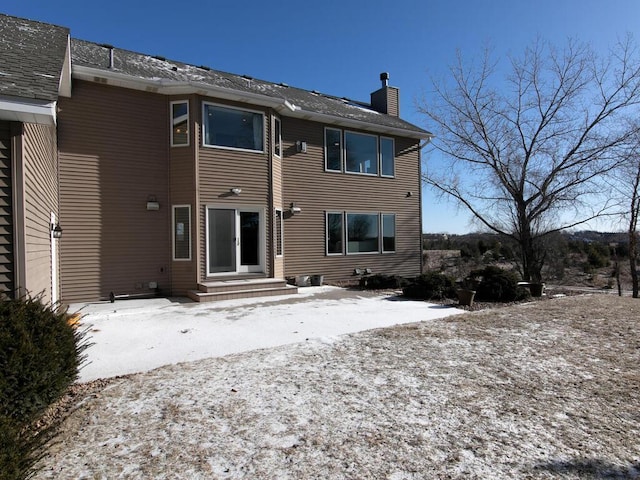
(40, 354)
(497, 285)
(430, 286)
(380, 281)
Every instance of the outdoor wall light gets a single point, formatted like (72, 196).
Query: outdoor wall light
(152, 203)
(236, 191)
(56, 230)
(301, 147)
(294, 209)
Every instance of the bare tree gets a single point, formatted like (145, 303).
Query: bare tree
(634, 255)
(625, 185)
(526, 155)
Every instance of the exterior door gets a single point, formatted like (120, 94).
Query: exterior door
(234, 240)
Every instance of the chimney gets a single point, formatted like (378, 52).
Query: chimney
(386, 99)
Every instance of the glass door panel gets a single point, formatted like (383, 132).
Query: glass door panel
(222, 240)
(249, 240)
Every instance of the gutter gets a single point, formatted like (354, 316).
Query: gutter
(28, 111)
(281, 105)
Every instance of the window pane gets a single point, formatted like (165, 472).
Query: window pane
(180, 123)
(279, 234)
(333, 149)
(362, 153)
(182, 233)
(388, 232)
(227, 127)
(277, 138)
(363, 233)
(249, 238)
(386, 155)
(334, 233)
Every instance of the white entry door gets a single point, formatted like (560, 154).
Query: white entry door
(235, 240)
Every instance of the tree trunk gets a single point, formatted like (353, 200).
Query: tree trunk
(633, 257)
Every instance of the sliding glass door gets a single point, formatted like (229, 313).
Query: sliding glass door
(235, 240)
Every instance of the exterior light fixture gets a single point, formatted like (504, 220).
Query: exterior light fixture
(236, 191)
(301, 147)
(56, 230)
(152, 203)
(293, 208)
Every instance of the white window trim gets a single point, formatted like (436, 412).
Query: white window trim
(171, 104)
(275, 240)
(277, 141)
(344, 155)
(173, 233)
(395, 231)
(326, 233)
(263, 237)
(222, 147)
(339, 130)
(393, 141)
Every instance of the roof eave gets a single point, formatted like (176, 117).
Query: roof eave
(28, 111)
(284, 107)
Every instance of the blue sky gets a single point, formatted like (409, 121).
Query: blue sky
(340, 47)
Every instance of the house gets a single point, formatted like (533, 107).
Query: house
(183, 180)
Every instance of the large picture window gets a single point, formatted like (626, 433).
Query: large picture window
(182, 232)
(232, 128)
(335, 234)
(361, 153)
(363, 233)
(179, 123)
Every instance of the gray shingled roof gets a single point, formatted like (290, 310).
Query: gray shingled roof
(31, 58)
(88, 54)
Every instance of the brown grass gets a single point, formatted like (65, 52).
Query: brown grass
(539, 390)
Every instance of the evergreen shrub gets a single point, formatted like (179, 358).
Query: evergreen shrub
(430, 286)
(497, 285)
(40, 355)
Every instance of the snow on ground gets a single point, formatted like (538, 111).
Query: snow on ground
(543, 390)
(139, 335)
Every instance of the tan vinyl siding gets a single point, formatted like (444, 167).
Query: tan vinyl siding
(276, 174)
(182, 185)
(7, 261)
(315, 191)
(113, 147)
(220, 170)
(40, 200)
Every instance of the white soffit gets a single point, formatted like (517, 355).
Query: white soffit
(26, 111)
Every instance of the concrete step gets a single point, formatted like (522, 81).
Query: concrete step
(200, 296)
(238, 285)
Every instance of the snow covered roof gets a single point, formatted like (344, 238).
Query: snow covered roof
(32, 58)
(127, 68)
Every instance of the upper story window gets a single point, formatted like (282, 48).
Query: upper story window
(235, 128)
(180, 123)
(360, 153)
(387, 157)
(277, 138)
(333, 149)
